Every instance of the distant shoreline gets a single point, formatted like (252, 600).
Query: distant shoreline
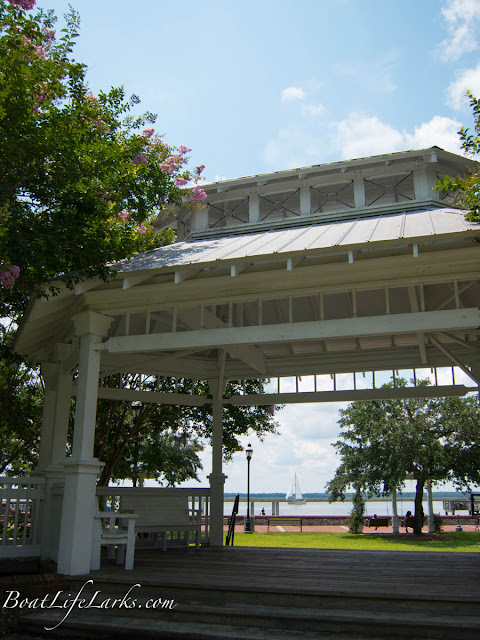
(316, 497)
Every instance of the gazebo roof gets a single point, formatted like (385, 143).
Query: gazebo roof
(351, 233)
(352, 266)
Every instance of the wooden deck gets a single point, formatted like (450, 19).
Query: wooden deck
(419, 575)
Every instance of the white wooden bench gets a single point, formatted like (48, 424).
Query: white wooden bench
(108, 530)
(165, 514)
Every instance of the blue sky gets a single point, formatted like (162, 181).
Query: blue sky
(261, 86)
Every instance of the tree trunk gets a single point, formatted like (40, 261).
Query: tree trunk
(418, 524)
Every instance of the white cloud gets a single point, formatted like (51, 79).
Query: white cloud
(313, 110)
(293, 93)
(462, 18)
(295, 146)
(468, 79)
(440, 131)
(359, 136)
(355, 136)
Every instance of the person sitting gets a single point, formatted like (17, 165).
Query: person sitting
(409, 521)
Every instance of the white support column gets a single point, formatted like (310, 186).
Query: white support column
(50, 377)
(81, 470)
(431, 517)
(395, 520)
(62, 414)
(253, 207)
(359, 192)
(58, 387)
(200, 220)
(217, 478)
(305, 200)
(56, 409)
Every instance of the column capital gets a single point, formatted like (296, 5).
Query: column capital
(92, 323)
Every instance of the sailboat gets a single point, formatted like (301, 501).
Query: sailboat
(294, 494)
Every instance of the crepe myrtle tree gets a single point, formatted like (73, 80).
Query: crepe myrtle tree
(81, 178)
(467, 188)
(428, 438)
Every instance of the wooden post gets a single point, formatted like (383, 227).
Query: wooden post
(431, 517)
(395, 520)
(81, 470)
(217, 478)
(49, 373)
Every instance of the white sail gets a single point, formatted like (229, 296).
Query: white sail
(294, 494)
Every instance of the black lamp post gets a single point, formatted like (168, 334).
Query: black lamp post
(249, 454)
(136, 409)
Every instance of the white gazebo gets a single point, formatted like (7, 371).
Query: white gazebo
(346, 268)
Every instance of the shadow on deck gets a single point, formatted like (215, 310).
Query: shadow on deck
(404, 573)
(275, 594)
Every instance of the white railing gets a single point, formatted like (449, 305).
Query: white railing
(198, 499)
(20, 512)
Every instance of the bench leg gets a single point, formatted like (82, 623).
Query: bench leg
(119, 552)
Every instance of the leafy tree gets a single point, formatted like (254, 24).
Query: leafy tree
(21, 399)
(467, 188)
(80, 177)
(429, 438)
(163, 441)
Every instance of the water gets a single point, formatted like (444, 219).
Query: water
(379, 507)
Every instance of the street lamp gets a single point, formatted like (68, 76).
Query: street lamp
(249, 454)
(136, 410)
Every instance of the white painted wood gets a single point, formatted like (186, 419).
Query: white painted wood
(180, 276)
(76, 530)
(359, 192)
(107, 530)
(200, 220)
(156, 397)
(395, 519)
(253, 207)
(447, 320)
(351, 395)
(49, 373)
(132, 279)
(454, 359)
(75, 548)
(431, 517)
(162, 513)
(217, 477)
(305, 200)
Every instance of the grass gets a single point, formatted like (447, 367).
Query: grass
(452, 541)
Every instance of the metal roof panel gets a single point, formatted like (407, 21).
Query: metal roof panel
(381, 228)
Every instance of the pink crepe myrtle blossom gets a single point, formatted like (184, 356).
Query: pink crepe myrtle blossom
(40, 51)
(142, 229)
(8, 276)
(23, 4)
(124, 215)
(199, 169)
(270, 411)
(140, 158)
(198, 193)
(147, 133)
(168, 167)
(180, 182)
(182, 149)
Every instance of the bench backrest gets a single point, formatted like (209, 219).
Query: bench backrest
(157, 510)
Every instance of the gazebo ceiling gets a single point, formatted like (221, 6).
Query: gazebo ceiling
(354, 290)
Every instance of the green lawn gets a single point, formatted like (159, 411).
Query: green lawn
(452, 541)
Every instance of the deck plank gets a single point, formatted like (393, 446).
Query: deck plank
(397, 574)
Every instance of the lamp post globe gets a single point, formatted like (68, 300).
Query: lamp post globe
(248, 524)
